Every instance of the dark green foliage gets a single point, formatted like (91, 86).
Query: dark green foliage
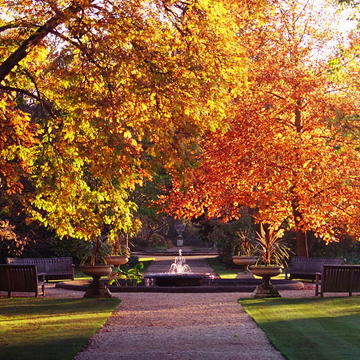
(155, 224)
(347, 248)
(130, 275)
(133, 261)
(224, 235)
(75, 248)
(204, 227)
(225, 272)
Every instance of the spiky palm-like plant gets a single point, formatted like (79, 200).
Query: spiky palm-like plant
(271, 246)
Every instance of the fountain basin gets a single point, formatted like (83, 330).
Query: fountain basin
(178, 279)
(207, 286)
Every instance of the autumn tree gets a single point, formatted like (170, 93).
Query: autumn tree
(286, 154)
(93, 93)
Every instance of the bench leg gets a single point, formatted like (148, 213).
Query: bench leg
(318, 292)
(316, 289)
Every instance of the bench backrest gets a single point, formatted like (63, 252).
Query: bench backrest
(340, 278)
(18, 278)
(46, 265)
(312, 264)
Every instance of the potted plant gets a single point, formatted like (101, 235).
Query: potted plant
(246, 250)
(120, 254)
(93, 264)
(273, 254)
(120, 257)
(131, 276)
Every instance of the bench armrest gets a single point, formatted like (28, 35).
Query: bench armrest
(41, 279)
(41, 276)
(317, 283)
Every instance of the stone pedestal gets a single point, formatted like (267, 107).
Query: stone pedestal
(266, 289)
(179, 241)
(97, 289)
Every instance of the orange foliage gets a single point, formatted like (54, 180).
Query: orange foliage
(17, 138)
(287, 154)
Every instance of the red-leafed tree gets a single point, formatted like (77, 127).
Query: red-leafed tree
(287, 154)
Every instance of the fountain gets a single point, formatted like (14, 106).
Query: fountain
(179, 266)
(180, 278)
(179, 274)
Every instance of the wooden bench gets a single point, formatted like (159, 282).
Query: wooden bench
(53, 268)
(21, 278)
(338, 278)
(301, 267)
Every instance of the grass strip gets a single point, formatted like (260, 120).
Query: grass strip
(312, 328)
(43, 329)
(147, 262)
(221, 270)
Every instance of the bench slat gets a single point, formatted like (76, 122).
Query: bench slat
(301, 267)
(338, 278)
(20, 278)
(54, 268)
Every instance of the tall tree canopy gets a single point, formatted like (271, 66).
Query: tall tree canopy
(92, 93)
(292, 151)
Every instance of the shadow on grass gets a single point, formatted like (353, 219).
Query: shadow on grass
(310, 328)
(42, 306)
(53, 329)
(56, 349)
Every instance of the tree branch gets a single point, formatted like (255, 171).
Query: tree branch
(22, 91)
(8, 26)
(35, 38)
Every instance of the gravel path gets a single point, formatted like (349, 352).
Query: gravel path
(161, 326)
(181, 326)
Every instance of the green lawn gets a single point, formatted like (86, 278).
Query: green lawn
(219, 268)
(147, 262)
(322, 328)
(44, 329)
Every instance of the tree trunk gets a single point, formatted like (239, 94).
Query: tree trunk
(301, 243)
(300, 235)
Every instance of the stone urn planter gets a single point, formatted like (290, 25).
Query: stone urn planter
(244, 260)
(116, 260)
(266, 288)
(96, 287)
